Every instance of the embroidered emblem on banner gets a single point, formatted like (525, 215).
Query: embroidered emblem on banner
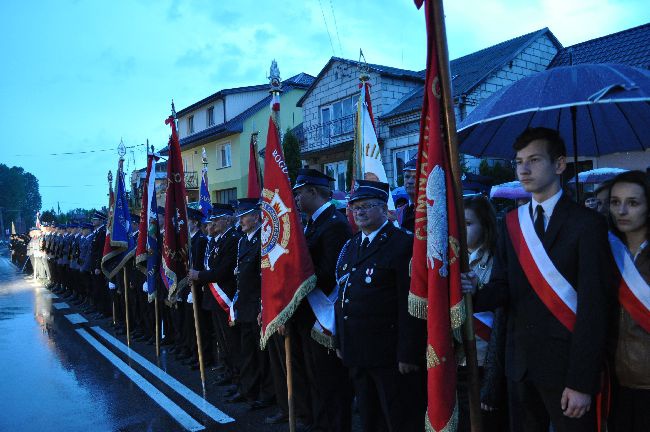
(276, 228)
(437, 225)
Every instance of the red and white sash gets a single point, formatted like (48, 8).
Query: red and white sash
(633, 290)
(483, 322)
(548, 283)
(223, 300)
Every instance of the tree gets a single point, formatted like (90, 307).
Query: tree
(500, 173)
(20, 198)
(291, 150)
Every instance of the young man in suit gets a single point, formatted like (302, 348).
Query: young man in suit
(551, 273)
(378, 340)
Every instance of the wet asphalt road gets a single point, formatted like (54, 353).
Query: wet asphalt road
(57, 374)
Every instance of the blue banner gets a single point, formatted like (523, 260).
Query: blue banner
(204, 195)
(153, 240)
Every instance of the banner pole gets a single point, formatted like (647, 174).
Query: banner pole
(155, 305)
(449, 124)
(126, 307)
(197, 329)
(287, 354)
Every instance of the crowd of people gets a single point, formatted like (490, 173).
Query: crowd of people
(560, 292)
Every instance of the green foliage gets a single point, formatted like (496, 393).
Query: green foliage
(291, 150)
(20, 197)
(501, 173)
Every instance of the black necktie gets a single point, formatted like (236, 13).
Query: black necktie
(364, 246)
(539, 221)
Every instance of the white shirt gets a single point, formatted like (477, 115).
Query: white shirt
(320, 211)
(373, 234)
(250, 236)
(548, 206)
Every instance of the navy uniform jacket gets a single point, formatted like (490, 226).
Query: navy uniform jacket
(222, 262)
(538, 346)
(325, 238)
(374, 328)
(84, 255)
(249, 278)
(197, 244)
(97, 248)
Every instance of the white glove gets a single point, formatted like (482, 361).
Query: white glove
(189, 298)
(111, 286)
(145, 287)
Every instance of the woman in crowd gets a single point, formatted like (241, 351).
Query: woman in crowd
(489, 327)
(630, 219)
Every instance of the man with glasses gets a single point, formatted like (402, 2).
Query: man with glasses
(378, 340)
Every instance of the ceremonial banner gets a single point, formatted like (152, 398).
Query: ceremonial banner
(119, 246)
(204, 195)
(435, 268)
(141, 248)
(153, 238)
(254, 182)
(287, 270)
(176, 238)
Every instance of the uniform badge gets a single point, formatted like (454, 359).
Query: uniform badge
(369, 273)
(276, 228)
(345, 266)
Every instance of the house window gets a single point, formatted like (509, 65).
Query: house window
(338, 171)
(210, 116)
(190, 125)
(223, 155)
(225, 196)
(400, 157)
(338, 118)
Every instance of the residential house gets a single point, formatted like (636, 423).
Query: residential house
(630, 47)
(224, 124)
(474, 77)
(328, 107)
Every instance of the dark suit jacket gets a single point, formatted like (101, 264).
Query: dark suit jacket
(97, 248)
(197, 244)
(249, 278)
(374, 328)
(325, 239)
(538, 346)
(222, 262)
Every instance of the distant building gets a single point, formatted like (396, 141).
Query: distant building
(397, 96)
(223, 123)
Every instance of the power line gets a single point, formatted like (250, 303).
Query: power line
(336, 27)
(74, 153)
(326, 27)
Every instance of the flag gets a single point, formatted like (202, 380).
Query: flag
(119, 246)
(141, 249)
(175, 259)
(153, 237)
(435, 293)
(254, 181)
(367, 154)
(204, 195)
(38, 220)
(287, 270)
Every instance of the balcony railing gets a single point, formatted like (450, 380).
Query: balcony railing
(330, 134)
(191, 180)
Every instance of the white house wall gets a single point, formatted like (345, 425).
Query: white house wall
(240, 102)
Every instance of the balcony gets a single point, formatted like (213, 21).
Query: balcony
(191, 180)
(327, 135)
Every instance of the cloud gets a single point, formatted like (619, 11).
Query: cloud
(193, 58)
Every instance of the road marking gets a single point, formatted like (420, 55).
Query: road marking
(76, 318)
(61, 305)
(50, 296)
(215, 413)
(167, 404)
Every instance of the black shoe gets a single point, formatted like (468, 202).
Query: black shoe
(260, 404)
(230, 391)
(223, 380)
(277, 418)
(237, 397)
(120, 331)
(182, 355)
(172, 350)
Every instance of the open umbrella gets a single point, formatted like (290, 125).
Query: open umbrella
(509, 190)
(598, 109)
(597, 175)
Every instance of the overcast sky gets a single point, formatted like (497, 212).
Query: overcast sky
(79, 75)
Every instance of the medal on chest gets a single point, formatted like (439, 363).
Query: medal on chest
(369, 273)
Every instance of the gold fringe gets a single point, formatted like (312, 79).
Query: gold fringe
(305, 288)
(417, 306)
(451, 426)
(118, 267)
(326, 340)
(457, 314)
(432, 358)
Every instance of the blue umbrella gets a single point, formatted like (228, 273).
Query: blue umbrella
(598, 109)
